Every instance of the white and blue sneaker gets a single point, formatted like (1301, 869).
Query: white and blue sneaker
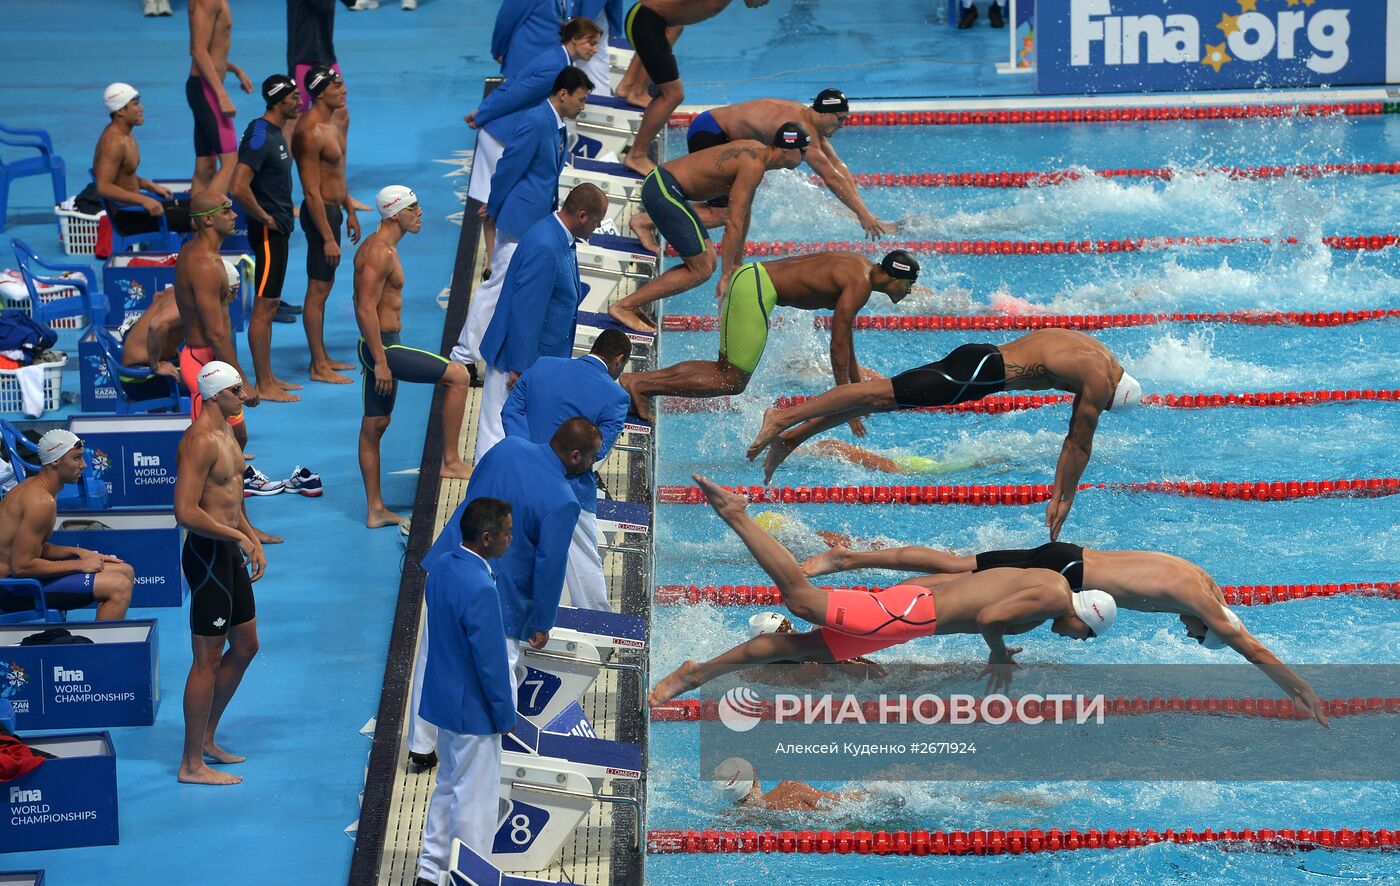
(304, 481)
(255, 482)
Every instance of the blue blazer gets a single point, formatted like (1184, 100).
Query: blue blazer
(525, 89)
(524, 29)
(615, 10)
(539, 301)
(555, 390)
(525, 187)
(544, 511)
(467, 687)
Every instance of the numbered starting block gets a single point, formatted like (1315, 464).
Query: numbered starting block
(582, 643)
(605, 261)
(624, 517)
(606, 127)
(588, 324)
(469, 869)
(622, 186)
(550, 782)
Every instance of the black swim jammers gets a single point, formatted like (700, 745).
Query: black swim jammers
(970, 372)
(1057, 556)
(221, 593)
(646, 31)
(405, 364)
(669, 208)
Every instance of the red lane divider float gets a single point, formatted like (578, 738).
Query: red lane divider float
(1235, 595)
(1009, 842)
(1026, 493)
(762, 248)
(1100, 115)
(1164, 173)
(1019, 402)
(932, 323)
(1033, 712)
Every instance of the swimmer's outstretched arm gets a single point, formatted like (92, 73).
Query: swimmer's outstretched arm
(1242, 641)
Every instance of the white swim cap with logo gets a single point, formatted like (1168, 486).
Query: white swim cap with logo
(217, 376)
(765, 623)
(394, 199)
(235, 277)
(1213, 640)
(1127, 395)
(1096, 609)
(734, 779)
(118, 95)
(55, 444)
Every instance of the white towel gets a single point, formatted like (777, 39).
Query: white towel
(31, 389)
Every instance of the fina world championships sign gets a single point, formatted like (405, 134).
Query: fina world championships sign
(1169, 45)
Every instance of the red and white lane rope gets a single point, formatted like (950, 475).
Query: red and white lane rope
(945, 322)
(761, 248)
(1100, 115)
(1027, 493)
(1235, 595)
(1006, 842)
(1004, 179)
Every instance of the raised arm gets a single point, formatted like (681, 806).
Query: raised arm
(1074, 458)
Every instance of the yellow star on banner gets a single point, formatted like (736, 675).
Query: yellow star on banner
(1292, 2)
(1309, 2)
(1230, 24)
(1249, 5)
(1216, 56)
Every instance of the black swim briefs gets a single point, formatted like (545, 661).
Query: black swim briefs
(221, 593)
(405, 364)
(646, 31)
(970, 372)
(1057, 556)
(316, 267)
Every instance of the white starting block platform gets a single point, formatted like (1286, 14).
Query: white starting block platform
(622, 186)
(606, 261)
(581, 645)
(605, 127)
(469, 869)
(588, 324)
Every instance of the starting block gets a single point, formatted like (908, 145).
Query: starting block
(622, 516)
(606, 260)
(622, 186)
(606, 126)
(588, 324)
(579, 646)
(468, 869)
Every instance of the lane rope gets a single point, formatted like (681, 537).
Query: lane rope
(1007, 179)
(760, 248)
(942, 322)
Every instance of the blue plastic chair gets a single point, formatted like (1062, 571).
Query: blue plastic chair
(111, 357)
(31, 590)
(46, 163)
(162, 240)
(90, 302)
(88, 494)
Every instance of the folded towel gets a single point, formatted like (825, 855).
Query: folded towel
(31, 389)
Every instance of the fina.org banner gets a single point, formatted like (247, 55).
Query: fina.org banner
(1055, 723)
(1169, 45)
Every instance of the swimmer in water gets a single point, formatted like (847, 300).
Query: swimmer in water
(737, 782)
(1061, 359)
(908, 465)
(1145, 581)
(852, 623)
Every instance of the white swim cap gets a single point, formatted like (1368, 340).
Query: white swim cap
(118, 96)
(734, 779)
(1096, 609)
(765, 623)
(394, 199)
(235, 277)
(55, 444)
(1127, 395)
(217, 376)
(1213, 640)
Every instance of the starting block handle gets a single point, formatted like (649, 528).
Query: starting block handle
(604, 798)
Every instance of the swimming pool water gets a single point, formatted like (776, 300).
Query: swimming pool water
(1317, 540)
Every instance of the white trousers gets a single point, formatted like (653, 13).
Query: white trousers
(598, 68)
(489, 430)
(483, 304)
(422, 735)
(466, 802)
(488, 153)
(583, 578)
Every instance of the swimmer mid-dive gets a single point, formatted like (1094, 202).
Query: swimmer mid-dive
(1145, 581)
(1062, 359)
(841, 282)
(854, 623)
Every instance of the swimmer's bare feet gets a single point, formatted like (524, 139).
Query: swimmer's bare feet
(205, 775)
(728, 505)
(646, 231)
(630, 317)
(272, 392)
(328, 375)
(264, 538)
(767, 432)
(455, 470)
(287, 385)
(636, 99)
(682, 679)
(339, 364)
(641, 403)
(359, 207)
(380, 517)
(218, 754)
(638, 161)
(827, 562)
(777, 454)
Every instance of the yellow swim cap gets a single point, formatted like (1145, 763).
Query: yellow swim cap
(916, 464)
(771, 522)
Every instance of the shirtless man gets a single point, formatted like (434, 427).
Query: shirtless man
(855, 623)
(1061, 359)
(760, 118)
(384, 362)
(645, 26)
(154, 340)
(220, 545)
(841, 282)
(215, 139)
(733, 170)
(1144, 581)
(114, 163)
(319, 148)
(72, 577)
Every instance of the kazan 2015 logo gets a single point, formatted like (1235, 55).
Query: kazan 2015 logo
(12, 678)
(99, 460)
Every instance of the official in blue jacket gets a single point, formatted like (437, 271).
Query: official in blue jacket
(524, 189)
(609, 15)
(524, 29)
(467, 691)
(539, 302)
(549, 393)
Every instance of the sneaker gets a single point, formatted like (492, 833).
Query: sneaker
(163, 8)
(969, 15)
(150, 8)
(304, 481)
(283, 316)
(287, 306)
(410, 5)
(255, 482)
(994, 16)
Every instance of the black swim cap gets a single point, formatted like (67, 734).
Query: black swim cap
(900, 265)
(831, 101)
(276, 87)
(792, 136)
(318, 78)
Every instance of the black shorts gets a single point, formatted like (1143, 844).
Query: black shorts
(128, 220)
(671, 212)
(221, 593)
(151, 388)
(269, 259)
(1057, 556)
(970, 372)
(63, 592)
(646, 31)
(213, 130)
(405, 364)
(316, 267)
